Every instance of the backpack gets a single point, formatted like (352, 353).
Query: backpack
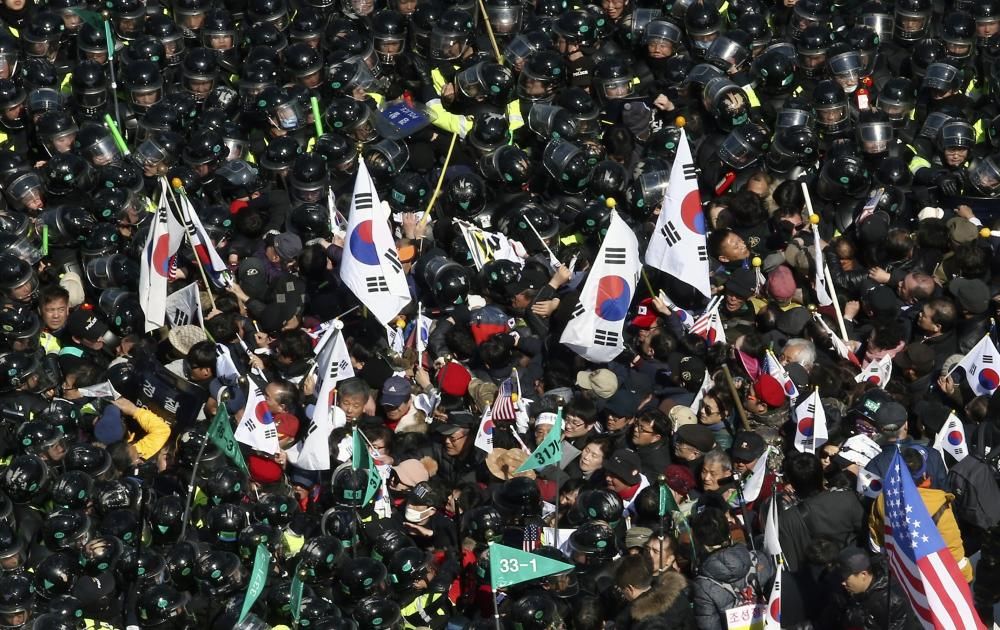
(974, 484)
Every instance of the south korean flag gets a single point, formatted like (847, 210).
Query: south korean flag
(982, 367)
(595, 331)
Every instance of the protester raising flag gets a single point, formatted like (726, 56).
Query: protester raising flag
(877, 372)
(982, 367)
(921, 564)
(158, 261)
(819, 284)
(221, 434)
(838, 344)
(256, 428)
(951, 438)
(488, 246)
(810, 424)
(869, 483)
(503, 406)
(549, 451)
(333, 365)
(678, 245)
(595, 330)
(370, 265)
(708, 326)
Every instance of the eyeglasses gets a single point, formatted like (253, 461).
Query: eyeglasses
(826, 455)
(575, 422)
(641, 429)
(456, 436)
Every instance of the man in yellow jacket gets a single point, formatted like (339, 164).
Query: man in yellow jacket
(129, 448)
(938, 504)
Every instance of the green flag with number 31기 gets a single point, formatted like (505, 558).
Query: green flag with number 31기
(512, 566)
(547, 453)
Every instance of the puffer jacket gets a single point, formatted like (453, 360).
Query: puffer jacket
(881, 607)
(666, 606)
(722, 575)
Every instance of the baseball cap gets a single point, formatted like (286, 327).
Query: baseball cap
(853, 560)
(602, 382)
(625, 465)
(454, 378)
(252, 277)
(287, 245)
(696, 435)
(645, 315)
(530, 279)
(741, 283)
(961, 230)
(84, 324)
(456, 420)
(748, 446)
(395, 391)
(637, 537)
(623, 404)
(688, 370)
(891, 416)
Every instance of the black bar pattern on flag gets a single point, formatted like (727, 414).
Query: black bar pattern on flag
(614, 256)
(986, 358)
(690, 172)
(605, 338)
(181, 318)
(377, 284)
(670, 233)
(363, 201)
(393, 259)
(578, 310)
(702, 253)
(811, 408)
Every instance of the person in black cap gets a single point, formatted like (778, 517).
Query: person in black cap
(737, 310)
(915, 365)
(891, 419)
(619, 415)
(650, 437)
(456, 452)
(623, 472)
(85, 344)
(972, 297)
(869, 600)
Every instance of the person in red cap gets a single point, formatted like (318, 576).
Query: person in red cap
(766, 402)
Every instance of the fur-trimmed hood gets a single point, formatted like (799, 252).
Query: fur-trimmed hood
(669, 591)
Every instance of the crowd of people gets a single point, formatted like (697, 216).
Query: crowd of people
(503, 138)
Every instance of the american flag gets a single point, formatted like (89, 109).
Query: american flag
(773, 367)
(709, 324)
(503, 406)
(532, 537)
(919, 559)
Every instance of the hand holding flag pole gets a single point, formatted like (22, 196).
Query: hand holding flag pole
(437, 188)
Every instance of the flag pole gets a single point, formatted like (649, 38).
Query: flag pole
(736, 397)
(826, 270)
(552, 257)
(176, 183)
(555, 522)
(496, 609)
(440, 182)
(221, 399)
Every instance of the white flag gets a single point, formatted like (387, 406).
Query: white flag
(878, 372)
(184, 307)
(423, 332)
(370, 265)
(810, 424)
(951, 438)
(678, 245)
(394, 337)
(838, 344)
(706, 384)
(207, 255)
(333, 365)
(487, 246)
(772, 541)
(822, 290)
(484, 435)
(595, 331)
(225, 367)
(754, 483)
(98, 390)
(869, 484)
(257, 428)
(982, 367)
(859, 449)
(772, 620)
(164, 239)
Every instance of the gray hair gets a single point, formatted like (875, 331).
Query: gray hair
(718, 456)
(807, 352)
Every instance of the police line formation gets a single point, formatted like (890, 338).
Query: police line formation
(499, 314)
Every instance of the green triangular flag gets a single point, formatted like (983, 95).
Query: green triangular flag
(221, 434)
(362, 460)
(296, 595)
(92, 18)
(258, 579)
(547, 453)
(512, 566)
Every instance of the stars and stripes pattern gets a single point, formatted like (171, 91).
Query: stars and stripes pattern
(532, 538)
(773, 367)
(503, 406)
(919, 559)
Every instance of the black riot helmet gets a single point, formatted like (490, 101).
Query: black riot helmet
(450, 35)
(830, 104)
(958, 32)
(362, 577)
(984, 175)
(308, 179)
(702, 21)
(543, 74)
(389, 32)
(489, 132)
(576, 27)
(567, 165)
(518, 498)
(593, 542)
(912, 20)
(484, 524)
(18, 281)
(486, 81)
(866, 42)
(310, 221)
(274, 12)
(388, 542)
(464, 196)
(495, 276)
(809, 13)
(220, 572)
(166, 519)
(377, 613)
(845, 66)
(68, 529)
(535, 612)
(96, 144)
(924, 53)
(611, 80)
(56, 575)
(842, 176)
(163, 606)
(727, 102)
(897, 98)
(504, 16)
(942, 77)
(407, 567)
(987, 16)
(92, 44)
(144, 84)
(608, 179)
(792, 146)
(12, 96)
(730, 52)
(875, 132)
(956, 134)
(199, 72)
(744, 146)
(26, 478)
(775, 71)
(17, 596)
(41, 34)
(408, 192)
(57, 130)
(508, 164)
(811, 49)
(877, 16)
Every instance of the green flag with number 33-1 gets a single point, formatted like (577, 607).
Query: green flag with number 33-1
(547, 453)
(510, 566)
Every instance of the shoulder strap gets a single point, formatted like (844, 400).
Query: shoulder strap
(941, 510)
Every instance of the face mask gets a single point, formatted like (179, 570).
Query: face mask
(415, 516)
